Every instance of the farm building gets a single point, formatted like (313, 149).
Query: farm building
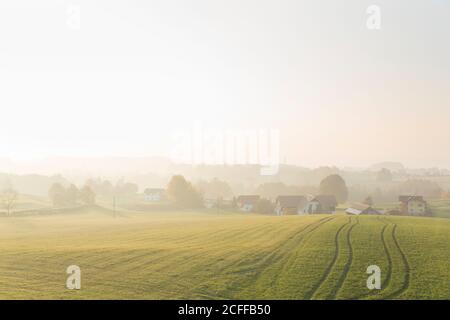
(413, 206)
(321, 204)
(154, 194)
(288, 205)
(247, 203)
(360, 208)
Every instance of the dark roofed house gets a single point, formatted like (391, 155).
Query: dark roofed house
(360, 208)
(321, 204)
(409, 198)
(288, 205)
(247, 203)
(413, 206)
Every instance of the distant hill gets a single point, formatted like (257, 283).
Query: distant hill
(31, 184)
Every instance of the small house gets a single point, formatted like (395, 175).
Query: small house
(289, 205)
(321, 204)
(413, 206)
(154, 194)
(247, 203)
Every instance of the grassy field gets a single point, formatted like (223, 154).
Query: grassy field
(440, 208)
(177, 255)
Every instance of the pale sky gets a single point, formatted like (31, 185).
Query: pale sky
(133, 72)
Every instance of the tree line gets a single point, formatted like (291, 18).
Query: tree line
(61, 196)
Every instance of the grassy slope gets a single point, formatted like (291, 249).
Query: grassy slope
(198, 255)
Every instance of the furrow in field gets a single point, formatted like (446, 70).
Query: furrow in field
(292, 253)
(280, 250)
(226, 269)
(278, 255)
(132, 264)
(387, 279)
(146, 256)
(324, 277)
(348, 264)
(406, 266)
(216, 264)
(247, 263)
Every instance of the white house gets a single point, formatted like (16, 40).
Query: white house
(154, 194)
(413, 206)
(247, 203)
(321, 204)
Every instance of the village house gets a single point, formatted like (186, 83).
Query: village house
(321, 204)
(413, 206)
(247, 203)
(154, 194)
(289, 205)
(360, 208)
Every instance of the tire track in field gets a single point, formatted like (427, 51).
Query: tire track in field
(387, 280)
(406, 265)
(290, 242)
(192, 267)
(265, 260)
(279, 252)
(146, 256)
(299, 243)
(311, 294)
(248, 264)
(348, 264)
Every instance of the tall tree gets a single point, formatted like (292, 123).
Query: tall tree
(126, 189)
(87, 196)
(182, 193)
(334, 185)
(384, 175)
(214, 189)
(8, 199)
(57, 194)
(72, 194)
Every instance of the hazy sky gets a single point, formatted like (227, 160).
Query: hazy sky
(131, 73)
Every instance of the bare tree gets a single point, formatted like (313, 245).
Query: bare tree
(8, 199)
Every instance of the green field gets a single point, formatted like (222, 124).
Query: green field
(182, 255)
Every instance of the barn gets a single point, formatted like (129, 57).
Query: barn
(361, 209)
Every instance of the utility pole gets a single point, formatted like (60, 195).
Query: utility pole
(114, 206)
